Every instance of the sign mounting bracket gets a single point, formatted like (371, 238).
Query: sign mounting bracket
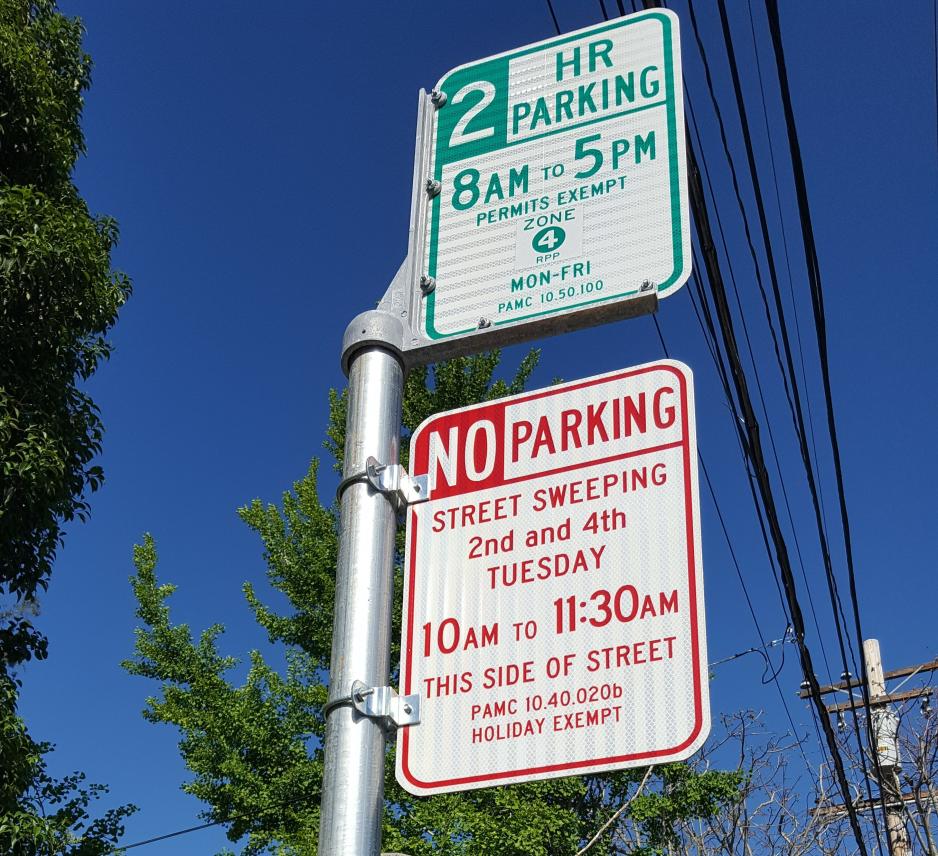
(380, 703)
(395, 482)
(392, 480)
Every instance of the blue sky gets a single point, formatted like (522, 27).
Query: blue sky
(258, 160)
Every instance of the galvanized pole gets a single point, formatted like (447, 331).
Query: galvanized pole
(353, 782)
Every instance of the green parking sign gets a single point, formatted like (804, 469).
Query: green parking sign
(561, 177)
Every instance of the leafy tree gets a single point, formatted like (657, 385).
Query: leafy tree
(58, 298)
(39, 814)
(255, 749)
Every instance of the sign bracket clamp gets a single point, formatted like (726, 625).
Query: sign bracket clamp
(379, 703)
(392, 480)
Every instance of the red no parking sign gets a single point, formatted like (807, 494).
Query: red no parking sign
(553, 604)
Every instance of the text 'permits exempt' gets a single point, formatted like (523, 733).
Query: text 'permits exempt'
(553, 619)
(562, 179)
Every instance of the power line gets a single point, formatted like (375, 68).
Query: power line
(839, 619)
(244, 816)
(778, 467)
(758, 459)
(772, 643)
(935, 30)
(836, 604)
(737, 421)
(739, 202)
(741, 578)
(553, 15)
(820, 324)
(169, 835)
(786, 256)
(756, 455)
(793, 404)
(783, 327)
(753, 255)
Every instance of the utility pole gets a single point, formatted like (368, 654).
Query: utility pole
(885, 753)
(884, 727)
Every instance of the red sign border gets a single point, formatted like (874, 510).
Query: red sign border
(572, 767)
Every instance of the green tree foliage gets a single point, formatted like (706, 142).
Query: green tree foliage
(58, 299)
(255, 749)
(39, 814)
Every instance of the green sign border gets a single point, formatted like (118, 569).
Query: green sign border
(669, 102)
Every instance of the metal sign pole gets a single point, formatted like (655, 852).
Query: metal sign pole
(372, 349)
(353, 782)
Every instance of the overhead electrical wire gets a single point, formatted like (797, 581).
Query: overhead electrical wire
(736, 419)
(710, 338)
(763, 294)
(802, 434)
(711, 346)
(553, 14)
(742, 209)
(242, 816)
(820, 324)
(792, 378)
(785, 254)
(794, 404)
(772, 643)
(765, 411)
(761, 475)
(716, 505)
(714, 353)
(796, 413)
(836, 605)
(757, 457)
(710, 333)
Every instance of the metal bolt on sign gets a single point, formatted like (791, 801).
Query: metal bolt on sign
(427, 283)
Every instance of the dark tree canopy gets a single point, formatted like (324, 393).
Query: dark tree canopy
(58, 299)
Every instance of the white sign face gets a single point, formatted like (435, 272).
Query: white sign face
(563, 179)
(553, 602)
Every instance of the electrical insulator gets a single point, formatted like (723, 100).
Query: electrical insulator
(841, 723)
